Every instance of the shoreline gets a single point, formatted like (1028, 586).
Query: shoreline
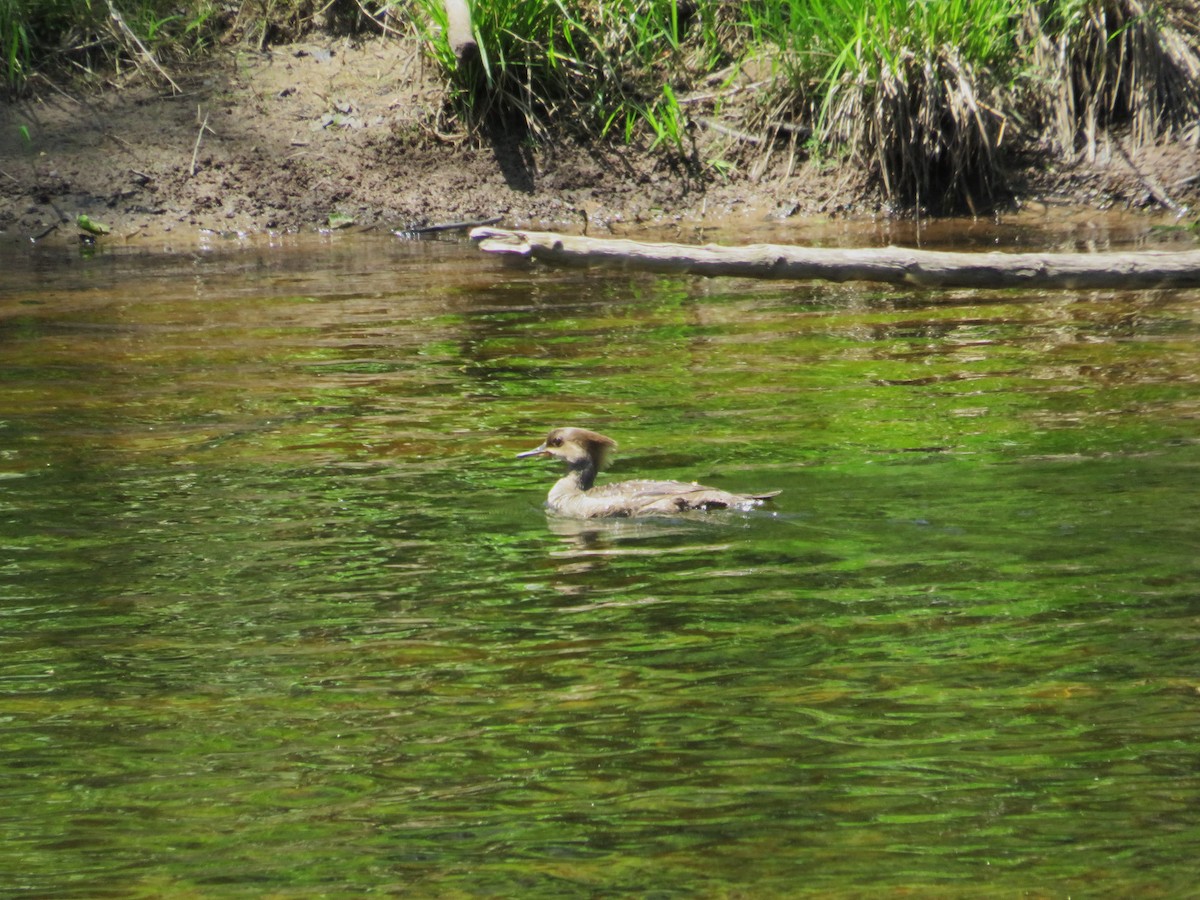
(326, 134)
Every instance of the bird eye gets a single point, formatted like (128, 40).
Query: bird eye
(555, 442)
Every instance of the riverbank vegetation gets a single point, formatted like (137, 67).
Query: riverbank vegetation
(931, 98)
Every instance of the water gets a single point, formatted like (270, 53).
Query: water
(281, 615)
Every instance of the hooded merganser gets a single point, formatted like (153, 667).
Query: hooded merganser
(584, 452)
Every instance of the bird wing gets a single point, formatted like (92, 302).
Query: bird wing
(645, 497)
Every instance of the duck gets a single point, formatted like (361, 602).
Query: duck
(575, 494)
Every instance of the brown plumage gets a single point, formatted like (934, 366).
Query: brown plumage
(584, 453)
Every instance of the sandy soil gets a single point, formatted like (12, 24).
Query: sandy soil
(282, 140)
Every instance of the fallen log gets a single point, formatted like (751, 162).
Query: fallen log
(890, 265)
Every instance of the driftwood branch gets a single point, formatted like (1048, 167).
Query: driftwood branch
(891, 265)
(459, 31)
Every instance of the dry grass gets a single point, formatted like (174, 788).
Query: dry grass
(1116, 63)
(930, 99)
(929, 127)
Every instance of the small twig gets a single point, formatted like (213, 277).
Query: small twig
(118, 139)
(773, 130)
(54, 87)
(381, 21)
(716, 126)
(1151, 185)
(720, 95)
(446, 137)
(146, 54)
(446, 226)
(199, 135)
(6, 175)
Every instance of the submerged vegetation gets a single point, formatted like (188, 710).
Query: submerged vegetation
(929, 98)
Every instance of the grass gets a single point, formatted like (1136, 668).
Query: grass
(604, 67)
(914, 91)
(927, 97)
(1117, 63)
(86, 36)
(89, 38)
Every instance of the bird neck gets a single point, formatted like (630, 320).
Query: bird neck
(581, 475)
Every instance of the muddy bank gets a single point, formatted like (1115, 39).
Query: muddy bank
(286, 139)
